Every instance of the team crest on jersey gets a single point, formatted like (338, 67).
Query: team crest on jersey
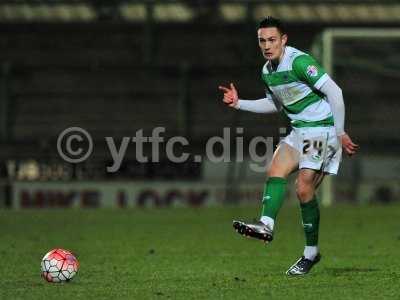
(312, 71)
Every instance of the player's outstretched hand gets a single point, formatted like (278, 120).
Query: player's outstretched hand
(231, 97)
(349, 147)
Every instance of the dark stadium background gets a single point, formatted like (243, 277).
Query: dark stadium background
(116, 67)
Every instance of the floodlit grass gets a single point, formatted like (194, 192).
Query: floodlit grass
(186, 253)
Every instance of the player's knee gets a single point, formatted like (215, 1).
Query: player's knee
(304, 191)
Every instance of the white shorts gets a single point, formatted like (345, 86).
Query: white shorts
(319, 148)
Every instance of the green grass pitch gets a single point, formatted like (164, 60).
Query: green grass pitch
(184, 253)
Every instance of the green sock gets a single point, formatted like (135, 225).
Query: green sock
(274, 193)
(310, 216)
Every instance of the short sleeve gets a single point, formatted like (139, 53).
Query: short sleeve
(309, 70)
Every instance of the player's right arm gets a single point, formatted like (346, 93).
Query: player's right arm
(231, 98)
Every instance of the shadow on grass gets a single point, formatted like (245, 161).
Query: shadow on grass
(343, 271)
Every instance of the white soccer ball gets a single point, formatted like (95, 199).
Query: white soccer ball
(59, 265)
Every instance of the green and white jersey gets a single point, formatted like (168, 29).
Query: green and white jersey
(295, 85)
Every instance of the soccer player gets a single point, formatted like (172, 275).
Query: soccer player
(298, 85)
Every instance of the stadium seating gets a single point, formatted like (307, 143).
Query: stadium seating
(104, 80)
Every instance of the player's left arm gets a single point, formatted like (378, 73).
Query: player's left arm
(334, 96)
(311, 72)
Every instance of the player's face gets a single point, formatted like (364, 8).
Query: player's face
(271, 42)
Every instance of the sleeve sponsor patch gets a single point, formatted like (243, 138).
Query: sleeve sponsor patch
(312, 71)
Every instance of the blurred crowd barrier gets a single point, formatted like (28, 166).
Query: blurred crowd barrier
(364, 179)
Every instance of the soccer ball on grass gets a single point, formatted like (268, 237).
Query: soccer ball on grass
(59, 265)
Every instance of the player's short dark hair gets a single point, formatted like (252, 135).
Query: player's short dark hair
(272, 22)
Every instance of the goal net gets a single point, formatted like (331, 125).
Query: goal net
(366, 64)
